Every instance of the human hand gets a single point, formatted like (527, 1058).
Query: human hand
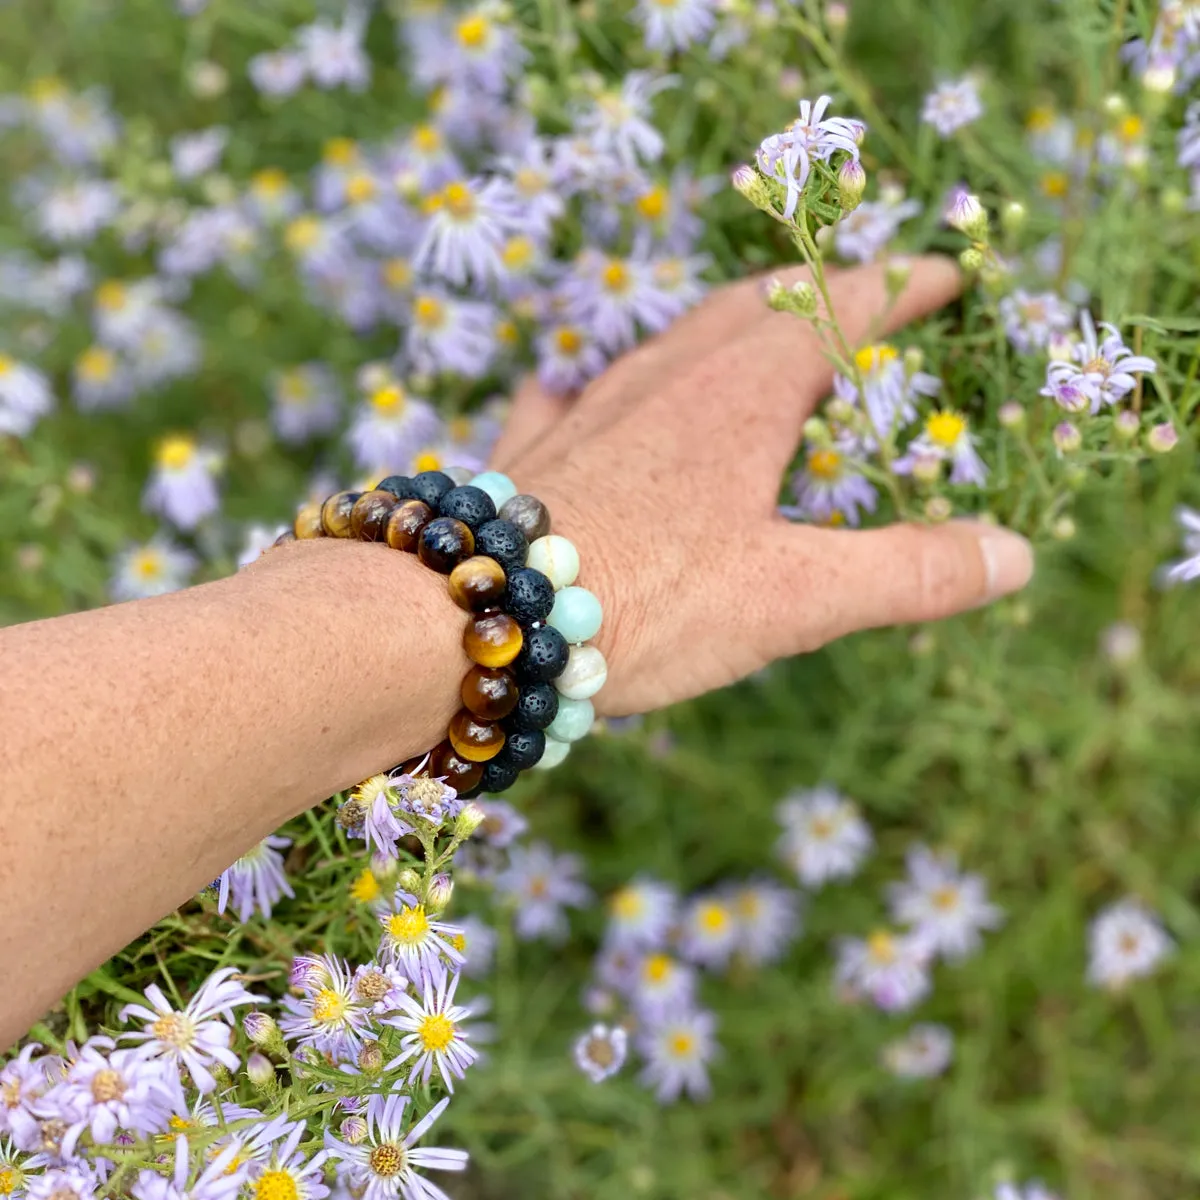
(665, 472)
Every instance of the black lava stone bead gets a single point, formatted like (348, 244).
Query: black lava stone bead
(498, 776)
(537, 706)
(444, 543)
(530, 594)
(470, 505)
(400, 486)
(523, 749)
(431, 486)
(543, 656)
(504, 542)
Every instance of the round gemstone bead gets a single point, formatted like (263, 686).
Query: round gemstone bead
(492, 639)
(286, 536)
(473, 739)
(504, 542)
(477, 583)
(460, 773)
(400, 486)
(460, 475)
(523, 748)
(431, 486)
(554, 753)
(404, 526)
(543, 656)
(528, 514)
(335, 514)
(444, 543)
(498, 776)
(369, 516)
(308, 522)
(530, 595)
(585, 674)
(576, 614)
(490, 693)
(470, 505)
(574, 719)
(497, 485)
(536, 707)
(556, 558)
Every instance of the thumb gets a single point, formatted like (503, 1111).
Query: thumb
(903, 573)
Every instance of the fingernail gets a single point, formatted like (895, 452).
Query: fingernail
(1008, 560)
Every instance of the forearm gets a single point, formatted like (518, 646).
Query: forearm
(147, 745)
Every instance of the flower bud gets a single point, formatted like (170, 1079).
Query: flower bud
(926, 468)
(409, 881)
(1063, 530)
(1121, 643)
(753, 186)
(1115, 105)
(407, 185)
(837, 17)
(383, 867)
(1162, 439)
(370, 1058)
(896, 275)
(207, 80)
(1159, 79)
(1067, 437)
(938, 508)
(840, 411)
(260, 1070)
(354, 1130)
(469, 820)
(1127, 424)
(1060, 347)
(1173, 201)
(816, 431)
(1075, 476)
(1013, 217)
(914, 360)
(260, 1028)
(971, 259)
(1011, 415)
(441, 888)
(922, 643)
(31, 557)
(852, 183)
(967, 215)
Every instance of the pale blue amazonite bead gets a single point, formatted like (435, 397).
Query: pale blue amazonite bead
(497, 485)
(585, 673)
(554, 754)
(576, 614)
(556, 558)
(575, 718)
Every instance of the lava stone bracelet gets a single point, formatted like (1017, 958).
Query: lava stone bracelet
(528, 695)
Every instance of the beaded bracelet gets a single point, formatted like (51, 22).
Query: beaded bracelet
(528, 696)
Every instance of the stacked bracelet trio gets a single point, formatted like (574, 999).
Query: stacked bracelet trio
(528, 696)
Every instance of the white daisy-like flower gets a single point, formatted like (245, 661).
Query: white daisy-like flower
(151, 569)
(469, 223)
(889, 969)
(414, 942)
(676, 1052)
(183, 487)
(708, 933)
(600, 1053)
(660, 984)
(331, 1015)
(641, 914)
(1125, 942)
(946, 908)
(824, 837)
(434, 1034)
(390, 427)
(924, 1051)
(952, 105)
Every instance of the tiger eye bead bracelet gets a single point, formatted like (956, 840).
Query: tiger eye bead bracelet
(528, 695)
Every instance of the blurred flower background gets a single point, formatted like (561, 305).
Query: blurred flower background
(911, 916)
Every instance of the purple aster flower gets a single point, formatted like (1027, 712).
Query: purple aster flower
(1189, 138)
(1186, 569)
(952, 105)
(330, 1015)
(617, 125)
(768, 919)
(256, 881)
(483, 53)
(183, 486)
(600, 1053)
(451, 335)
(306, 402)
(334, 54)
(830, 488)
(433, 1033)
(390, 426)
(74, 1181)
(1030, 320)
(642, 914)
(22, 1082)
(862, 235)
(426, 799)
(677, 1051)
(502, 824)
(568, 358)
(946, 438)
(1103, 371)
(536, 183)
(221, 1179)
(469, 223)
(891, 970)
(613, 297)
(542, 884)
(672, 25)
(278, 72)
(413, 942)
(197, 1036)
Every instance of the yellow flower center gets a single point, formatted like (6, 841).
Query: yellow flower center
(945, 428)
(387, 1160)
(179, 1124)
(668, 273)
(302, 233)
(295, 387)
(6, 365)
(366, 887)
(1040, 120)
(945, 899)
(748, 905)
(8, 1181)
(111, 295)
(615, 276)
(872, 358)
(458, 200)
(47, 88)
(174, 1029)
(652, 204)
(397, 273)
(372, 985)
(459, 942)
(681, 1044)
(1055, 184)
(1098, 366)
(329, 1006)
(881, 947)
(148, 565)
(459, 429)
(176, 453)
(656, 968)
(429, 312)
(340, 151)
(825, 464)
(96, 365)
(276, 1185)
(107, 1085)
(518, 253)
(427, 460)
(427, 139)
(507, 333)
(628, 904)
(436, 1032)
(529, 182)
(1131, 128)
(713, 918)
(600, 1051)
(269, 183)
(473, 31)
(539, 886)
(360, 188)
(1128, 943)
(409, 926)
(388, 402)
(569, 341)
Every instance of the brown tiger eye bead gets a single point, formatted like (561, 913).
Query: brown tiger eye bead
(473, 739)
(491, 694)
(528, 514)
(460, 773)
(308, 522)
(404, 526)
(444, 543)
(369, 516)
(477, 583)
(335, 514)
(492, 639)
